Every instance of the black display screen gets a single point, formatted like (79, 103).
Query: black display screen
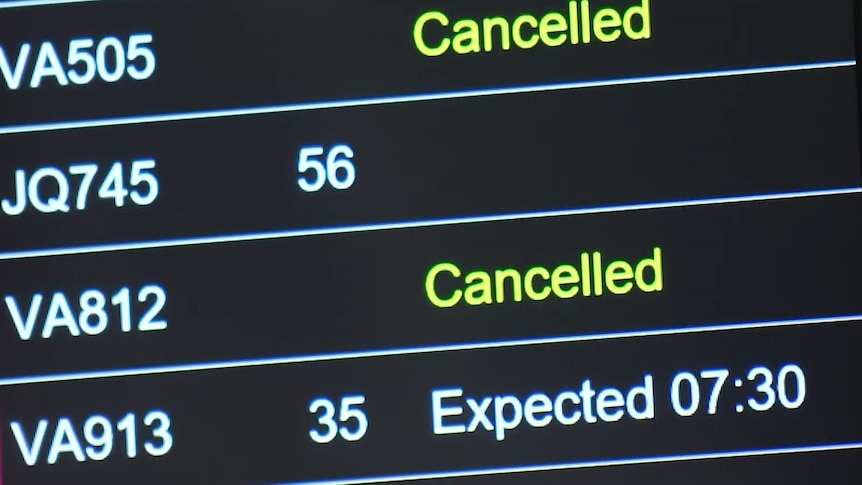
(273, 242)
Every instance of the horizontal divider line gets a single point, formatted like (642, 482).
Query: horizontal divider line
(589, 464)
(386, 100)
(362, 228)
(304, 359)
(41, 3)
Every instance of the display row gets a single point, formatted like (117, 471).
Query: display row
(500, 155)
(594, 274)
(629, 401)
(125, 58)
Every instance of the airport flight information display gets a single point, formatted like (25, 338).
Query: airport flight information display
(272, 242)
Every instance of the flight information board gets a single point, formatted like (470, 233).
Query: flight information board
(271, 242)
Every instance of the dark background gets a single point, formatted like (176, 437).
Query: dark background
(545, 151)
